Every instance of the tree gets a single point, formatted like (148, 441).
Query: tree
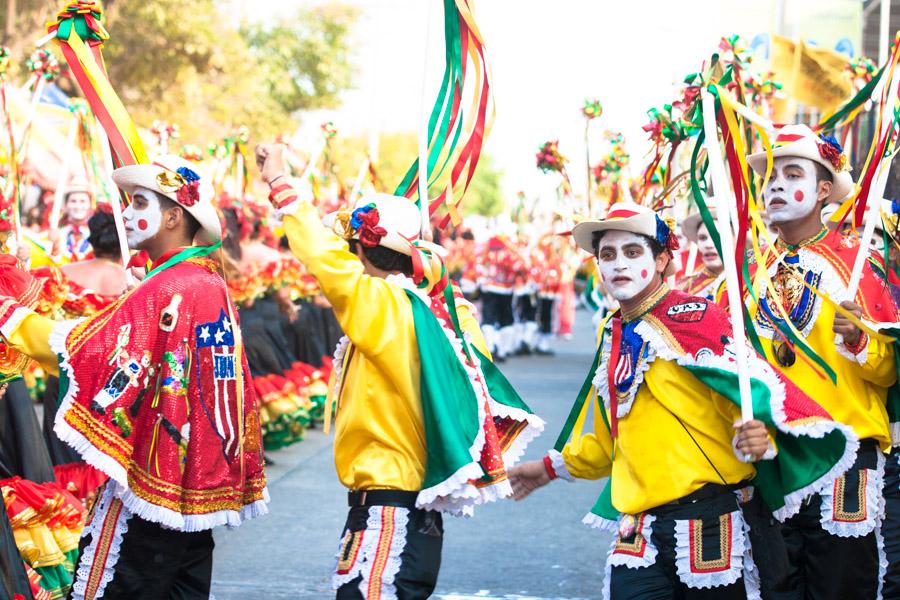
(484, 196)
(306, 59)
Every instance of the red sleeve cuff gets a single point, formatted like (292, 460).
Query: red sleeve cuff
(548, 465)
(282, 195)
(860, 344)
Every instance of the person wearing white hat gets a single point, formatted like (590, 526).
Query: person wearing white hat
(156, 393)
(709, 281)
(668, 432)
(70, 243)
(809, 270)
(415, 391)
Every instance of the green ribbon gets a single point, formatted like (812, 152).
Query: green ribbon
(192, 252)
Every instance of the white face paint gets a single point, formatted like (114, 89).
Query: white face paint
(78, 207)
(626, 263)
(707, 250)
(791, 191)
(143, 218)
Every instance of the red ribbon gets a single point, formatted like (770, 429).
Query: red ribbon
(614, 354)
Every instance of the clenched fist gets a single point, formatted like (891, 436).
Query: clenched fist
(270, 160)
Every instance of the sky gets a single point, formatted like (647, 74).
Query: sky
(546, 58)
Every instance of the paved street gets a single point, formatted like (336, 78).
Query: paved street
(536, 549)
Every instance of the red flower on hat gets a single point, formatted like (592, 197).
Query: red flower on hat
(369, 232)
(189, 194)
(831, 150)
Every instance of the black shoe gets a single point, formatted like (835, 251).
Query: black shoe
(268, 461)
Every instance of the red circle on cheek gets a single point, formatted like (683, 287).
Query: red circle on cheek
(643, 273)
(798, 196)
(142, 224)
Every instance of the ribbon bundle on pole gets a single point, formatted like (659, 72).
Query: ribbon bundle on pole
(455, 138)
(80, 34)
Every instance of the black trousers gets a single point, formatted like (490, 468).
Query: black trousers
(825, 566)
(160, 564)
(890, 528)
(420, 560)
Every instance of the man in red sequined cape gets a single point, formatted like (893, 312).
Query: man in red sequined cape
(156, 393)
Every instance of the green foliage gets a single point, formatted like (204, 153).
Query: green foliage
(484, 196)
(305, 59)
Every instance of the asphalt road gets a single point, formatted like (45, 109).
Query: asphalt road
(535, 549)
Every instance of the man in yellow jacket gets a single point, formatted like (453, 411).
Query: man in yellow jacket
(424, 423)
(683, 497)
(807, 273)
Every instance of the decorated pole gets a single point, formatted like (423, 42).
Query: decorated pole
(876, 191)
(592, 110)
(423, 127)
(725, 198)
(114, 202)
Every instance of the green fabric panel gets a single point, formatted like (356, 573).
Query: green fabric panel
(603, 508)
(579, 403)
(499, 387)
(449, 404)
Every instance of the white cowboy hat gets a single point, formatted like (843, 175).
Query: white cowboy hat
(691, 224)
(399, 217)
(622, 216)
(801, 141)
(162, 176)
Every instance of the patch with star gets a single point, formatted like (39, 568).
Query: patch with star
(687, 312)
(216, 369)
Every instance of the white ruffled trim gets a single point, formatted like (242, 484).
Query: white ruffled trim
(492, 288)
(18, 315)
(752, 579)
(769, 454)
(874, 506)
(650, 551)
(94, 528)
(879, 538)
(290, 209)
(368, 549)
(607, 569)
(739, 545)
(601, 381)
(117, 473)
(860, 357)
(340, 351)
(558, 462)
(597, 522)
(764, 372)
(895, 434)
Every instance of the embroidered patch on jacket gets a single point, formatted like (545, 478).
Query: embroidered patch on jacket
(687, 312)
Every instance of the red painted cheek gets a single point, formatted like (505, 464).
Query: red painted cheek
(798, 196)
(142, 224)
(643, 273)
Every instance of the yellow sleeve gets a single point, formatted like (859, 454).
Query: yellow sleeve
(589, 456)
(469, 325)
(879, 367)
(367, 308)
(31, 336)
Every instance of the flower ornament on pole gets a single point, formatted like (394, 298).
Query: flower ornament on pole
(592, 109)
(164, 132)
(43, 66)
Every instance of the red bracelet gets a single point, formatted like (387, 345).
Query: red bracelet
(548, 466)
(857, 348)
(282, 195)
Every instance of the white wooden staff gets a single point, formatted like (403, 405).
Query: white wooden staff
(62, 184)
(725, 198)
(423, 128)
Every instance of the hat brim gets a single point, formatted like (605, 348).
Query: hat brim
(393, 241)
(144, 176)
(842, 184)
(691, 224)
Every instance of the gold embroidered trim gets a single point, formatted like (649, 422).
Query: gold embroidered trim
(636, 547)
(382, 552)
(666, 334)
(838, 512)
(648, 303)
(104, 543)
(349, 551)
(698, 564)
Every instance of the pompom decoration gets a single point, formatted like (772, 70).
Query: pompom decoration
(43, 65)
(761, 87)
(549, 159)
(664, 235)
(592, 109)
(364, 221)
(328, 130)
(831, 151)
(161, 127)
(860, 71)
(191, 153)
